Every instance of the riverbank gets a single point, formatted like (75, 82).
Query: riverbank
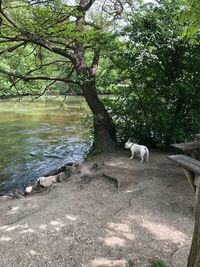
(92, 220)
(38, 136)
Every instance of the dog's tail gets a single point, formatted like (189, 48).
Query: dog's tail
(147, 154)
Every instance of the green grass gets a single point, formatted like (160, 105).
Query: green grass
(158, 263)
(129, 263)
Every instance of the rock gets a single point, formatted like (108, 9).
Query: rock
(61, 169)
(76, 168)
(179, 259)
(85, 172)
(47, 181)
(5, 197)
(18, 193)
(29, 189)
(63, 176)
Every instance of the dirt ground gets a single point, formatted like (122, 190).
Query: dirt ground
(92, 222)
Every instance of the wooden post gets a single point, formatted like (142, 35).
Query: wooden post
(191, 178)
(197, 184)
(194, 256)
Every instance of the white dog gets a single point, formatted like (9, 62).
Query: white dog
(140, 149)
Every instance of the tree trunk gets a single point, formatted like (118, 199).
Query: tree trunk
(104, 129)
(194, 257)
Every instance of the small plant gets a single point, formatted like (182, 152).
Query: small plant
(158, 263)
(92, 153)
(129, 263)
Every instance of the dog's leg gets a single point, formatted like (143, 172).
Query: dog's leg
(132, 155)
(142, 155)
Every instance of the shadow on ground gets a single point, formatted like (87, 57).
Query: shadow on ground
(94, 223)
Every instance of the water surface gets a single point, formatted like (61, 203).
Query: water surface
(39, 136)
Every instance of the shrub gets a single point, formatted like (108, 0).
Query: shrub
(161, 104)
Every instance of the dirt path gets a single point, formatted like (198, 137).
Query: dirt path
(92, 223)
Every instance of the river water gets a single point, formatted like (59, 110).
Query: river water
(39, 136)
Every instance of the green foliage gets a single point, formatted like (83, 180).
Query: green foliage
(43, 26)
(158, 263)
(190, 18)
(130, 263)
(33, 61)
(158, 102)
(18, 63)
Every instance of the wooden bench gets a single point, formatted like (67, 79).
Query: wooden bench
(190, 149)
(192, 171)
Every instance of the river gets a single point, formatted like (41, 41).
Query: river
(39, 136)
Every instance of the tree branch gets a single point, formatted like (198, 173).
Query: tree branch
(47, 45)
(7, 17)
(45, 89)
(95, 61)
(83, 6)
(39, 41)
(11, 39)
(93, 25)
(44, 65)
(11, 49)
(33, 78)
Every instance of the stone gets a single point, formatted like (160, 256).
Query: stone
(47, 181)
(179, 259)
(5, 197)
(29, 189)
(63, 176)
(18, 193)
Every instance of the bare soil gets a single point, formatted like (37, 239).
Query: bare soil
(94, 221)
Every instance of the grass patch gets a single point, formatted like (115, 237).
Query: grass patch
(158, 263)
(129, 263)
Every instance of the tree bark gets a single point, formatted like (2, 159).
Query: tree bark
(194, 256)
(104, 129)
(103, 126)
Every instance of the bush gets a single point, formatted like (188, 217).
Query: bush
(161, 104)
(156, 120)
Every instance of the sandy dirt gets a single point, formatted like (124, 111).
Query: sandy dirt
(92, 222)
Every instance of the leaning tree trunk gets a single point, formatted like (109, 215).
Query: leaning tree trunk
(194, 257)
(104, 129)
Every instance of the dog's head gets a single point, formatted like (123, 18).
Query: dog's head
(128, 144)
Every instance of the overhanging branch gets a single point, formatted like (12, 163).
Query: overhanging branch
(12, 48)
(44, 65)
(7, 18)
(30, 38)
(34, 78)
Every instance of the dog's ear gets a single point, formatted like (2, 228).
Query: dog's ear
(129, 140)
